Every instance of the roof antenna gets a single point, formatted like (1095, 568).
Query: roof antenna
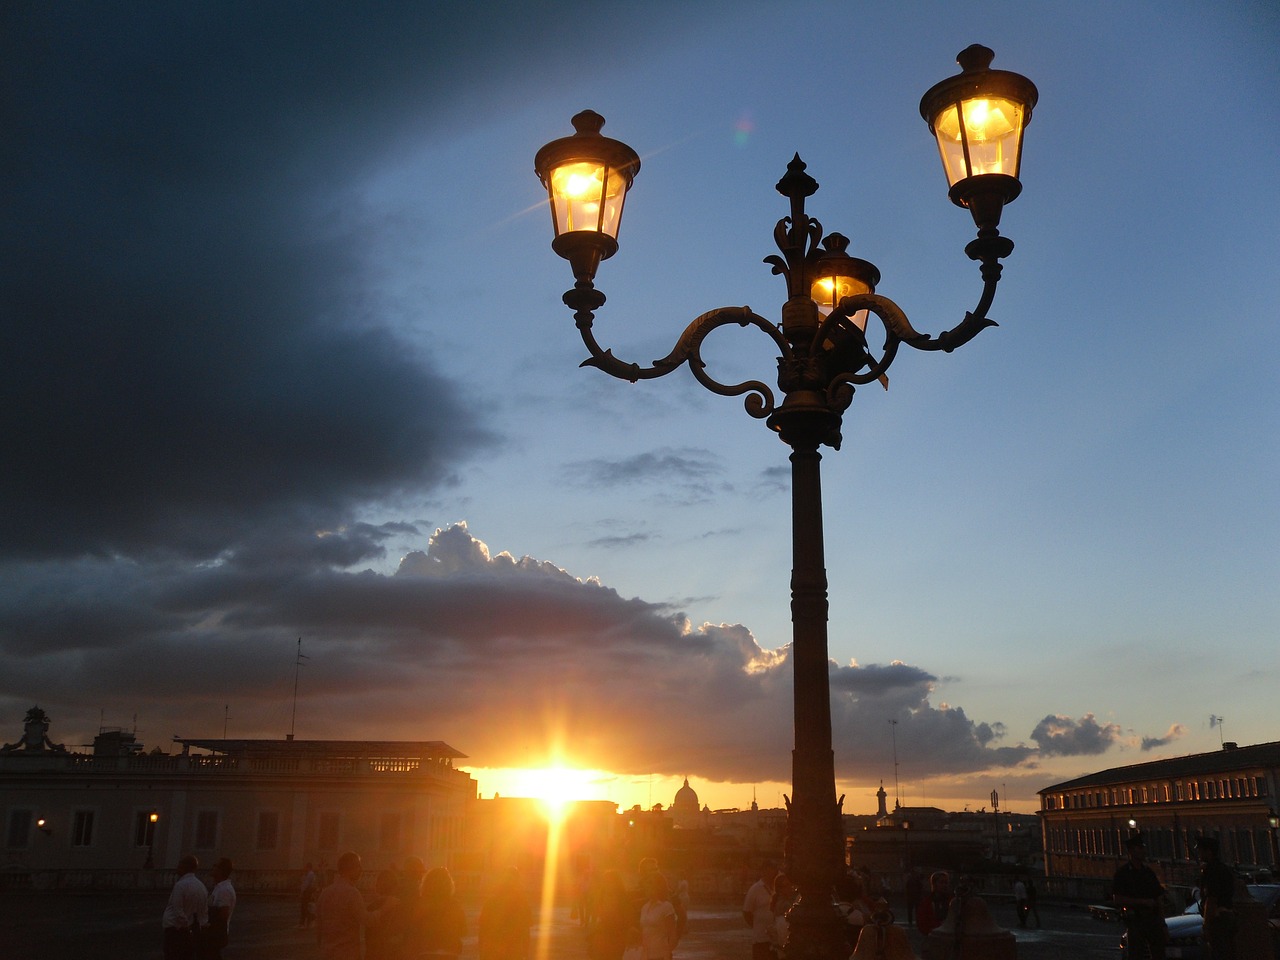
(226, 712)
(297, 665)
(897, 791)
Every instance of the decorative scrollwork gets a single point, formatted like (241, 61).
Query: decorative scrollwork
(759, 402)
(840, 340)
(798, 248)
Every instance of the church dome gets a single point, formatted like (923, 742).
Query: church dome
(686, 800)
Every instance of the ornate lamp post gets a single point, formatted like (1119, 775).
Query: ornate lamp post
(978, 118)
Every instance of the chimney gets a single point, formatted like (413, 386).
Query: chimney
(1230, 745)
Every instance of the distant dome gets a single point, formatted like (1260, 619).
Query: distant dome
(686, 800)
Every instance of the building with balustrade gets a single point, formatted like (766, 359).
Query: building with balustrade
(270, 805)
(1230, 794)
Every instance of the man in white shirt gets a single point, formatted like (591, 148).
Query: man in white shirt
(186, 912)
(758, 914)
(222, 901)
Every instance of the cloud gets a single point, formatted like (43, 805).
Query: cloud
(1063, 736)
(498, 655)
(193, 352)
(687, 474)
(1175, 732)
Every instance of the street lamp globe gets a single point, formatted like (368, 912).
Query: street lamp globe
(587, 177)
(837, 275)
(978, 118)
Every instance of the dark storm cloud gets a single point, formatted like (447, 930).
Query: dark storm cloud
(932, 739)
(1064, 736)
(190, 351)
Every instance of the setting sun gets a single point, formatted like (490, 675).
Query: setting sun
(554, 785)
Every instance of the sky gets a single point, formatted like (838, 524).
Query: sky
(283, 356)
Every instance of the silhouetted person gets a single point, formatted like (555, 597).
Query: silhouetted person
(411, 875)
(1217, 902)
(1020, 901)
(933, 906)
(307, 893)
(912, 889)
(384, 940)
(341, 913)
(657, 919)
(505, 918)
(186, 912)
(1138, 892)
(438, 925)
(1032, 896)
(611, 917)
(757, 913)
(222, 903)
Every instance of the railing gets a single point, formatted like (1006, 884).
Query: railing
(202, 764)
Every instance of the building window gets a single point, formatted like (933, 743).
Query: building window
(144, 829)
(18, 835)
(207, 830)
(82, 828)
(389, 832)
(327, 838)
(268, 829)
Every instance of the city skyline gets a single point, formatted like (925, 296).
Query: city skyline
(285, 358)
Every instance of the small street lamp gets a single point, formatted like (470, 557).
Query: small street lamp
(152, 818)
(978, 118)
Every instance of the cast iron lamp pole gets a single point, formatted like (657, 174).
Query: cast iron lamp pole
(978, 118)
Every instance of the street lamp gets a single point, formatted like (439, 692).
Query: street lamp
(978, 119)
(152, 818)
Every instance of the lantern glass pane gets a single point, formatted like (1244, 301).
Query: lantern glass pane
(830, 290)
(587, 196)
(992, 128)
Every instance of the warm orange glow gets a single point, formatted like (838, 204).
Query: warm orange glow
(555, 785)
(587, 196)
(992, 128)
(577, 180)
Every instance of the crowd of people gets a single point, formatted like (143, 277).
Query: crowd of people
(414, 914)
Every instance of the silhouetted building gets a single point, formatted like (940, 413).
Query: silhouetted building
(1229, 794)
(270, 805)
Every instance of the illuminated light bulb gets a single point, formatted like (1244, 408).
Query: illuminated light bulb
(577, 180)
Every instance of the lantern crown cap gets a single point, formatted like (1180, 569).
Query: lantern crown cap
(975, 57)
(587, 122)
(976, 78)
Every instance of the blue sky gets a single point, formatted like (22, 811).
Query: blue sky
(282, 305)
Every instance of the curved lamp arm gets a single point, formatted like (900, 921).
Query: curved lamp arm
(759, 402)
(990, 250)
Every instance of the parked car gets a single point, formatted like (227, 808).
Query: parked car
(1186, 930)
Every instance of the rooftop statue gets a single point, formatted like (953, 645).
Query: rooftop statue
(35, 736)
